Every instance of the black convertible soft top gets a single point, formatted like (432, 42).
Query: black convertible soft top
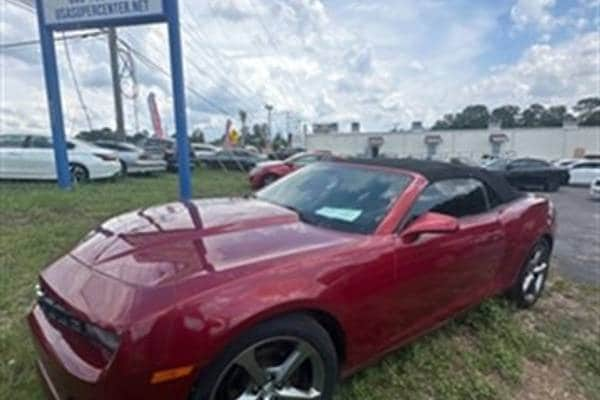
(435, 171)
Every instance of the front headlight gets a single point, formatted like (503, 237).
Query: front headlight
(106, 338)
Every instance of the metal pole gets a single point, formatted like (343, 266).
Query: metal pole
(54, 101)
(183, 152)
(116, 79)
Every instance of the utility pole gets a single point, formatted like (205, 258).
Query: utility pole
(116, 78)
(269, 109)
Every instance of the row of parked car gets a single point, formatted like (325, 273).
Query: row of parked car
(523, 173)
(31, 157)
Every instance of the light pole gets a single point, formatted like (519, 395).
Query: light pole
(269, 109)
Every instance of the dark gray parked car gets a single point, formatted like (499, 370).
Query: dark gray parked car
(234, 159)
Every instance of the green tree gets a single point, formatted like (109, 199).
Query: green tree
(506, 115)
(474, 117)
(279, 142)
(443, 124)
(197, 136)
(553, 116)
(531, 117)
(588, 111)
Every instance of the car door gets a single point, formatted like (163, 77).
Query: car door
(38, 158)
(584, 173)
(11, 153)
(441, 274)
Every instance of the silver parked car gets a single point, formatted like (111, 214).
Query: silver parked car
(134, 160)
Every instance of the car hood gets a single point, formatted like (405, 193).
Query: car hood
(178, 241)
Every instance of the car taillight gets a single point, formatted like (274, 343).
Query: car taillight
(106, 157)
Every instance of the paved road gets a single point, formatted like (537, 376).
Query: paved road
(577, 247)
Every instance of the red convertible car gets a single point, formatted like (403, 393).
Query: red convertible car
(275, 296)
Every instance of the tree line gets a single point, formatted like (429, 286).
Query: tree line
(585, 113)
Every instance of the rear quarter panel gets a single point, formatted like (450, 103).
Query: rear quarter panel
(525, 221)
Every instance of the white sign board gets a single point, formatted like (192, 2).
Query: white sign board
(69, 12)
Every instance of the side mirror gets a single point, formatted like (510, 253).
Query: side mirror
(430, 222)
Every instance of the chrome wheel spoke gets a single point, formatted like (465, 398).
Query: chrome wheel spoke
(250, 364)
(290, 393)
(291, 364)
(538, 283)
(535, 260)
(540, 268)
(527, 282)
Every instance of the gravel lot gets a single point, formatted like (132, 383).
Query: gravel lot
(577, 247)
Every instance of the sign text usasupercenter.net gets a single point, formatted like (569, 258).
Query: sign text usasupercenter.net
(115, 8)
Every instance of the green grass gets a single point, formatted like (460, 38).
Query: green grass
(492, 352)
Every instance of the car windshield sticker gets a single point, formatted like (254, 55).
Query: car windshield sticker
(342, 214)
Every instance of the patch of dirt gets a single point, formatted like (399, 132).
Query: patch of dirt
(546, 382)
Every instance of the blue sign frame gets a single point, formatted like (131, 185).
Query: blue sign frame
(171, 17)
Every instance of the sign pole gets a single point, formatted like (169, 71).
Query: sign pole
(54, 101)
(183, 152)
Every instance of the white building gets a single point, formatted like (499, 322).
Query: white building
(547, 143)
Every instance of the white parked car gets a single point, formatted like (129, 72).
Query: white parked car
(134, 160)
(203, 149)
(584, 172)
(595, 189)
(565, 162)
(32, 157)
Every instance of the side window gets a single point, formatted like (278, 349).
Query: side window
(454, 197)
(11, 141)
(587, 165)
(40, 142)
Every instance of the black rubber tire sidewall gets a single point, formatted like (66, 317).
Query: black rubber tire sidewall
(296, 325)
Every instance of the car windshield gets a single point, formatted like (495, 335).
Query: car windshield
(345, 197)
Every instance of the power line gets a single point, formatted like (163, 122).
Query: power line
(32, 42)
(76, 83)
(152, 64)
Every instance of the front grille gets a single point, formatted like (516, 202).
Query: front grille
(57, 313)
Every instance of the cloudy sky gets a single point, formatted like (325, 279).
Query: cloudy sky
(381, 62)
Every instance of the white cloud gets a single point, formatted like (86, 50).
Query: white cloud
(559, 74)
(534, 12)
(382, 62)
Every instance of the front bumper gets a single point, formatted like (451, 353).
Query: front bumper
(104, 169)
(67, 371)
(64, 374)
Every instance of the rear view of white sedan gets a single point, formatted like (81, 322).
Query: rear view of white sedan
(31, 157)
(584, 172)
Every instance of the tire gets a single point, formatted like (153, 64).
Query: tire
(273, 348)
(79, 173)
(123, 168)
(269, 178)
(552, 185)
(533, 275)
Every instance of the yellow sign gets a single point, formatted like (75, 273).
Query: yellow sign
(234, 136)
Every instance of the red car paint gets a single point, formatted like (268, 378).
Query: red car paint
(179, 282)
(274, 170)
